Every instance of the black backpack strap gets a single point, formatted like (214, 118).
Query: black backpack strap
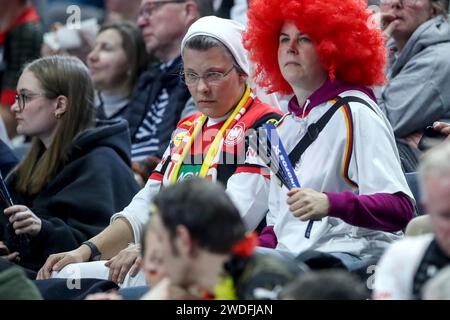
(314, 129)
(312, 133)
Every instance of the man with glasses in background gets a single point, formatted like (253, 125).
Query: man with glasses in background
(416, 94)
(160, 97)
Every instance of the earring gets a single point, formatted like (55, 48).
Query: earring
(58, 115)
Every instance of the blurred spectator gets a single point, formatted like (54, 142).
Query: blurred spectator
(227, 104)
(56, 11)
(20, 42)
(160, 97)
(416, 94)
(419, 226)
(204, 248)
(150, 260)
(3, 133)
(353, 207)
(409, 263)
(231, 9)
(14, 284)
(115, 64)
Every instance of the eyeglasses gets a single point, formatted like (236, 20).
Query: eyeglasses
(151, 7)
(211, 77)
(403, 3)
(21, 98)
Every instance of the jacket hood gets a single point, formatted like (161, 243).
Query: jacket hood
(107, 133)
(432, 32)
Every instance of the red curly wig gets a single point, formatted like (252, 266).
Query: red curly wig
(349, 46)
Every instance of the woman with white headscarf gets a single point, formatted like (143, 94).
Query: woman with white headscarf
(210, 144)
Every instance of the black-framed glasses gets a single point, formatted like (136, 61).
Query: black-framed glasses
(403, 3)
(22, 98)
(150, 8)
(210, 77)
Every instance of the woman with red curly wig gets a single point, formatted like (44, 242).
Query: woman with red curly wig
(416, 94)
(354, 197)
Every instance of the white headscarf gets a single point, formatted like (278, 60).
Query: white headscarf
(229, 33)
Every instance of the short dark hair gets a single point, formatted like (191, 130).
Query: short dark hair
(330, 284)
(205, 210)
(204, 43)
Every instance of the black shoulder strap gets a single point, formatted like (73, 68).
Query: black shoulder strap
(314, 129)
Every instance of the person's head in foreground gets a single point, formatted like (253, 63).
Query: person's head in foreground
(152, 260)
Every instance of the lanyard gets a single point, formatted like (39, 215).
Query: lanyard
(238, 112)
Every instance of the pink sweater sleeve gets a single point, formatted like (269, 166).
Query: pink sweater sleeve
(380, 211)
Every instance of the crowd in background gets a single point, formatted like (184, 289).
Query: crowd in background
(140, 149)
